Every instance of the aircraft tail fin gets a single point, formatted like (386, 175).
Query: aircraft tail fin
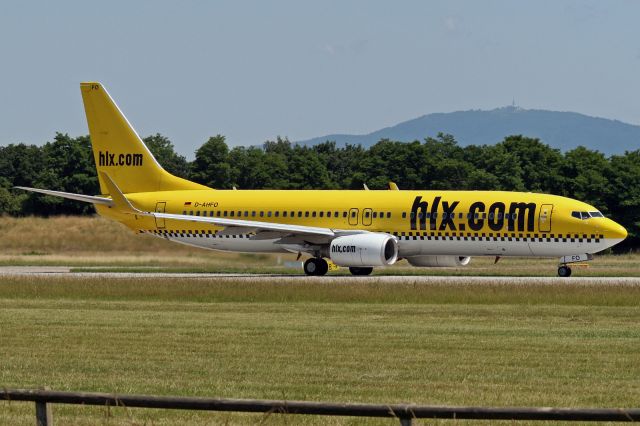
(119, 151)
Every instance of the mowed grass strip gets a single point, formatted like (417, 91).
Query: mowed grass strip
(461, 344)
(351, 290)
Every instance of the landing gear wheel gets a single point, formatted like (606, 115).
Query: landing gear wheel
(564, 271)
(316, 266)
(360, 270)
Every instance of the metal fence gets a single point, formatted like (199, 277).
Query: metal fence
(404, 413)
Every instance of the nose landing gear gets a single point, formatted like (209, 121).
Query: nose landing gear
(564, 271)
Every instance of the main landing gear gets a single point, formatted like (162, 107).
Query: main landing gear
(360, 270)
(316, 266)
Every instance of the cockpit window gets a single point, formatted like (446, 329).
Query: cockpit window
(586, 215)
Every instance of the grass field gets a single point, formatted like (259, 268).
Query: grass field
(455, 344)
(96, 242)
(538, 345)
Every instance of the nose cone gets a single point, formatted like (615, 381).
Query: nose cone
(614, 231)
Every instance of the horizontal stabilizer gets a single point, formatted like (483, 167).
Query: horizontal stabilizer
(71, 196)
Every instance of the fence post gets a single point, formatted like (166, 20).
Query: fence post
(44, 417)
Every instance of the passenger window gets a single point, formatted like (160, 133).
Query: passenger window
(269, 214)
(284, 213)
(218, 213)
(277, 213)
(299, 214)
(261, 214)
(184, 212)
(321, 214)
(253, 213)
(232, 213)
(336, 214)
(388, 215)
(191, 212)
(353, 214)
(366, 214)
(306, 214)
(375, 215)
(313, 214)
(344, 214)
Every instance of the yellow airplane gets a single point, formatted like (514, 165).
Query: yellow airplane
(356, 229)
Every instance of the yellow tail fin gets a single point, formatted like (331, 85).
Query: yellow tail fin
(119, 151)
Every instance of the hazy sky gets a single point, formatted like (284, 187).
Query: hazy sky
(252, 70)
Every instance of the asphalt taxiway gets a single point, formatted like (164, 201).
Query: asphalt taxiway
(66, 271)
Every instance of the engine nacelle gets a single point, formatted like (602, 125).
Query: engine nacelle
(374, 249)
(439, 261)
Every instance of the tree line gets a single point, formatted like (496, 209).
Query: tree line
(518, 163)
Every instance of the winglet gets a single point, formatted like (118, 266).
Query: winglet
(119, 200)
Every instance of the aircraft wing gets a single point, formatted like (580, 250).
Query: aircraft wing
(247, 225)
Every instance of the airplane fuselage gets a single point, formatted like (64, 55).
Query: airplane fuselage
(466, 223)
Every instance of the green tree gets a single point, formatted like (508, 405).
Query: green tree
(211, 166)
(584, 173)
(624, 197)
(163, 151)
(540, 164)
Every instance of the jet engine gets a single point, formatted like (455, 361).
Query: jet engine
(439, 261)
(372, 249)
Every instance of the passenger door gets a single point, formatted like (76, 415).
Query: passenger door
(544, 218)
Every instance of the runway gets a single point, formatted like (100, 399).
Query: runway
(66, 271)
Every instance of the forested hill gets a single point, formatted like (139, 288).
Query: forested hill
(562, 130)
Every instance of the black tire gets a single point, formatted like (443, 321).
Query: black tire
(323, 266)
(311, 267)
(564, 271)
(360, 270)
(316, 266)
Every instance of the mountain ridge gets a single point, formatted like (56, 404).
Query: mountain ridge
(564, 130)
